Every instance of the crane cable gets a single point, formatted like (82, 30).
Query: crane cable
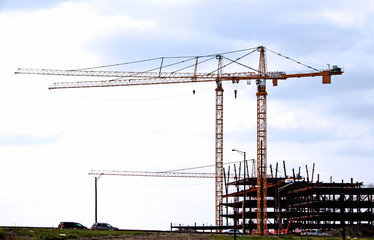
(190, 58)
(292, 60)
(153, 69)
(176, 170)
(158, 58)
(236, 61)
(194, 57)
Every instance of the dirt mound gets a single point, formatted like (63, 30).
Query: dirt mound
(363, 230)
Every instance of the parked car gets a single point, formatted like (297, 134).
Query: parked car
(71, 225)
(103, 226)
(231, 231)
(315, 232)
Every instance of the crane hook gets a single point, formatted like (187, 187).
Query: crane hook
(235, 92)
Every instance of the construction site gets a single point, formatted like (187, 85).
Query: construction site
(253, 199)
(294, 203)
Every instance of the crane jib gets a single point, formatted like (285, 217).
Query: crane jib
(187, 78)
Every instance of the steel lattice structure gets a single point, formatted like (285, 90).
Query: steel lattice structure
(152, 174)
(261, 147)
(219, 144)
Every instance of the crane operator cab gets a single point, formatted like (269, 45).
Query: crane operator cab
(335, 68)
(261, 84)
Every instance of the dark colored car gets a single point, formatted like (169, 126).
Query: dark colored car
(103, 226)
(71, 225)
(231, 231)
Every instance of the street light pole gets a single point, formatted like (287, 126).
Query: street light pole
(96, 180)
(243, 205)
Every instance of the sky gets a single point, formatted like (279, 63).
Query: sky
(51, 139)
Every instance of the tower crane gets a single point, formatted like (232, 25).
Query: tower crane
(260, 75)
(152, 174)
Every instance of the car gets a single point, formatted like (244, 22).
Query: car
(289, 180)
(231, 231)
(315, 232)
(103, 226)
(71, 225)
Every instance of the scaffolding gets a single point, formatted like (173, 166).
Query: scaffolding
(294, 203)
(299, 203)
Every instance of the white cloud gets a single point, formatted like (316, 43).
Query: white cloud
(292, 115)
(344, 14)
(348, 14)
(46, 38)
(344, 18)
(58, 35)
(174, 2)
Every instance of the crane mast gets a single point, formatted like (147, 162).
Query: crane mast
(219, 143)
(261, 146)
(121, 78)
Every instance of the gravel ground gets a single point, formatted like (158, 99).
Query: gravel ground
(159, 236)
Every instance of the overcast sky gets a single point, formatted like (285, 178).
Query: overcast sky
(50, 140)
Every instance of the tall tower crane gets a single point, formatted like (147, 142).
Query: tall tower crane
(124, 78)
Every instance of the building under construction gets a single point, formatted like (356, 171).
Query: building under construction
(294, 202)
(265, 202)
(279, 192)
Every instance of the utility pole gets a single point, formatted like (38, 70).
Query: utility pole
(244, 198)
(96, 180)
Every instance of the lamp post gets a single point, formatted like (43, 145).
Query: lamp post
(241, 152)
(243, 206)
(96, 180)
